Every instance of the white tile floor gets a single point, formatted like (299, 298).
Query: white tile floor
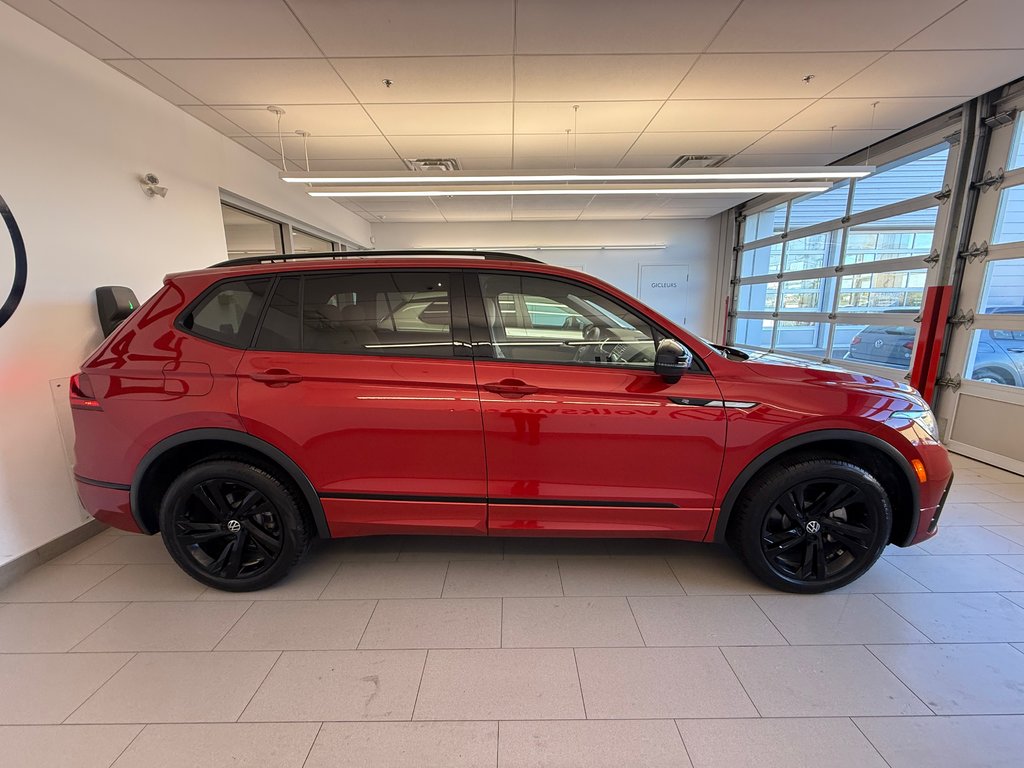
(483, 652)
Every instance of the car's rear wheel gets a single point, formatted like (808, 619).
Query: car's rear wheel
(233, 525)
(811, 525)
(992, 376)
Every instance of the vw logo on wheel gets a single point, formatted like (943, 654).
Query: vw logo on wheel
(13, 277)
(813, 526)
(234, 526)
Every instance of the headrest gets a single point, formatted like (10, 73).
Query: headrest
(356, 313)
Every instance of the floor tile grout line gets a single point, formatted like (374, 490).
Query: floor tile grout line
(113, 616)
(419, 685)
(902, 682)
(770, 621)
(234, 624)
(312, 744)
(501, 623)
(329, 580)
(674, 574)
(87, 590)
(367, 625)
(280, 655)
(444, 579)
(129, 660)
(869, 741)
(738, 680)
(558, 567)
(919, 629)
(632, 613)
(579, 682)
(682, 740)
(497, 745)
(128, 745)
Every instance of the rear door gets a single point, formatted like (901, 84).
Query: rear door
(364, 378)
(582, 436)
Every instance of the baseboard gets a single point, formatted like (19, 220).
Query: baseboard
(19, 566)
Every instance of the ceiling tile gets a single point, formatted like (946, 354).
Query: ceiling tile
(356, 164)
(552, 215)
(726, 114)
(653, 26)
(599, 78)
(424, 119)
(56, 19)
(980, 24)
(935, 73)
(792, 25)
(401, 28)
(215, 120)
(574, 145)
(318, 119)
(263, 150)
(336, 147)
(816, 142)
(154, 81)
(694, 142)
(453, 146)
(257, 81)
(503, 163)
(592, 116)
(197, 28)
(564, 162)
(747, 160)
(769, 75)
(428, 80)
(858, 113)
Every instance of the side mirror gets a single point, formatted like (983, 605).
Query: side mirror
(672, 360)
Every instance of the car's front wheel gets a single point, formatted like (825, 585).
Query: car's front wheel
(232, 525)
(811, 524)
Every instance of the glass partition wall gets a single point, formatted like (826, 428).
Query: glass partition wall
(840, 275)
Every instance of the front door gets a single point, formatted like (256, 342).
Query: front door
(581, 435)
(357, 376)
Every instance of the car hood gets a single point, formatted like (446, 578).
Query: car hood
(780, 367)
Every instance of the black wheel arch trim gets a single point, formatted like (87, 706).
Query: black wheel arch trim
(244, 440)
(808, 438)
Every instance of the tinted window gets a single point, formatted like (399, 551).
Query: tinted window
(378, 313)
(536, 319)
(228, 314)
(280, 328)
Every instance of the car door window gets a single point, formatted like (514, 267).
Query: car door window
(377, 313)
(228, 313)
(547, 320)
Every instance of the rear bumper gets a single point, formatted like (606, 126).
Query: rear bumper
(107, 502)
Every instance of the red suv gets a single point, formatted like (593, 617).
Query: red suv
(250, 407)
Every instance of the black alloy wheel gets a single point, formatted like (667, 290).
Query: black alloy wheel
(811, 525)
(232, 525)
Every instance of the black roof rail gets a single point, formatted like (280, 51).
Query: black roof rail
(426, 252)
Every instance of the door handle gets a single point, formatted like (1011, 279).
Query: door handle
(511, 388)
(276, 377)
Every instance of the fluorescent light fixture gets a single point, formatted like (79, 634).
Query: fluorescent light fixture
(712, 174)
(513, 192)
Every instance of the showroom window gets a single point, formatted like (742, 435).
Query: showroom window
(840, 275)
(247, 233)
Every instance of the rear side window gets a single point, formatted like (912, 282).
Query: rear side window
(404, 314)
(228, 314)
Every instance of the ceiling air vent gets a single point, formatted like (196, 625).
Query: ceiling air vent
(432, 164)
(698, 161)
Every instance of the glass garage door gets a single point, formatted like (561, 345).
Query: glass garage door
(986, 411)
(840, 275)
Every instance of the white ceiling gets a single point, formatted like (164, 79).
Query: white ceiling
(493, 82)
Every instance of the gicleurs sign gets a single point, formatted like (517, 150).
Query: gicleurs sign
(13, 264)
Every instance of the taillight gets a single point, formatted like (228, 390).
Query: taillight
(81, 393)
(856, 340)
(908, 345)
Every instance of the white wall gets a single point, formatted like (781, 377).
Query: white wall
(690, 242)
(74, 136)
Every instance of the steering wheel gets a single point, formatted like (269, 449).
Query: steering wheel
(595, 336)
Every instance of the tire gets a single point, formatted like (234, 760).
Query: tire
(811, 525)
(993, 376)
(233, 525)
